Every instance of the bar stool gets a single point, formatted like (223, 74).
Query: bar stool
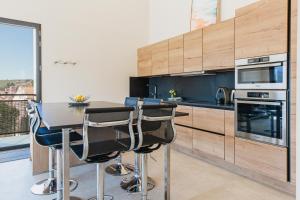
(155, 128)
(120, 169)
(134, 183)
(53, 140)
(100, 143)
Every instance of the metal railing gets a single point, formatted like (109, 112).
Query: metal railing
(13, 115)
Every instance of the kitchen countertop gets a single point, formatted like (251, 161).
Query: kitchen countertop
(205, 104)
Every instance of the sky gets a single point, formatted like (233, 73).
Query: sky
(16, 52)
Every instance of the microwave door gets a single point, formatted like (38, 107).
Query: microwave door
(267, 76)
(262, 121)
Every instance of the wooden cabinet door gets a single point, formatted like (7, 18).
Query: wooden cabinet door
(261, 29)
(229, 123)
(193, 51)
(209, 143)
(229, 136)
(145, 61)
(229, 148)
(184, 137)
(263, 158)
(209, 119)
(185, 120)
(160, 58)
(176, 55)
(218, 46)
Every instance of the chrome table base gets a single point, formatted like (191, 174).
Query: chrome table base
(119, 169)
(49, 186)
(134, 184)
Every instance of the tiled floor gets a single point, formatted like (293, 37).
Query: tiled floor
(191, 180)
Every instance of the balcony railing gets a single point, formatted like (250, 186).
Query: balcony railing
(13, 115)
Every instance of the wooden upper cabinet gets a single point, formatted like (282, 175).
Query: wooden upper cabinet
(160, 58)
(176, 55)
(261, 29)
(145, 61)
(218, 46)
(193, 51)
(263, 158)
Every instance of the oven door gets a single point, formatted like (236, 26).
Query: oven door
(264, 76)
(261, 121)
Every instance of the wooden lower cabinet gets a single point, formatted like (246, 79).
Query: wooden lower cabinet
(209, 143)
(184, 137)
(229, 149)
(209, 119)
(185, 120)
(263, 158)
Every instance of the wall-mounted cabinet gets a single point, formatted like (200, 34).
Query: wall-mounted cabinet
(176, 55)
(160, 58)
(218, 46)
(193, 51)
(261, 29)
(145, 61)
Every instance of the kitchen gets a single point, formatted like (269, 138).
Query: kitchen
(236, 87)
(186, 113)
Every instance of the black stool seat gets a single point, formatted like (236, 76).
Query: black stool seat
(106, 148)
(55, 139)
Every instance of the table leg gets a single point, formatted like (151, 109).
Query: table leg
(59, 175)
(66, 163)
(167, 153)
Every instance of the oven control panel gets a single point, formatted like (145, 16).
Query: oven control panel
(258, 60)
(262, 95)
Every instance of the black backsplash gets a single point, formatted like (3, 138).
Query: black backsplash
(202, 88)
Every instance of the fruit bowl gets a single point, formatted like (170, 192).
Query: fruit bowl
(79, 100)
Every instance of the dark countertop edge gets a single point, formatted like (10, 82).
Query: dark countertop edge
(215, 106)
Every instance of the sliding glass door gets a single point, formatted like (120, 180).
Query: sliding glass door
(20, 79)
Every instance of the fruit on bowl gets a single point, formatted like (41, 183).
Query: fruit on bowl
(79, 98)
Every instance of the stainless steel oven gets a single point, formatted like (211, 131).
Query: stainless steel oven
(266, 72)
(261, 115)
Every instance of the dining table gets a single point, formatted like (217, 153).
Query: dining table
(62, 115)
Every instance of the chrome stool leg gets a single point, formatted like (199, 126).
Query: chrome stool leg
(47, 186)
(100, 184)
(134, 184)
(73, 183)
(144, 176)
(119, 169)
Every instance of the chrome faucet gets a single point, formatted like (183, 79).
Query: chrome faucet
(155, 90)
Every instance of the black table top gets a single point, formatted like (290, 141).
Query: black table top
(61, 115)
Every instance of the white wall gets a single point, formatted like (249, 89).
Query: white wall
(102, 36)
(172, 17)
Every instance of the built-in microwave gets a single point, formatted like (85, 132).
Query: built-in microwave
(265, 72)
(261, 115)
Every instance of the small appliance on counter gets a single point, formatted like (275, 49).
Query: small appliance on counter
(222, 95)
